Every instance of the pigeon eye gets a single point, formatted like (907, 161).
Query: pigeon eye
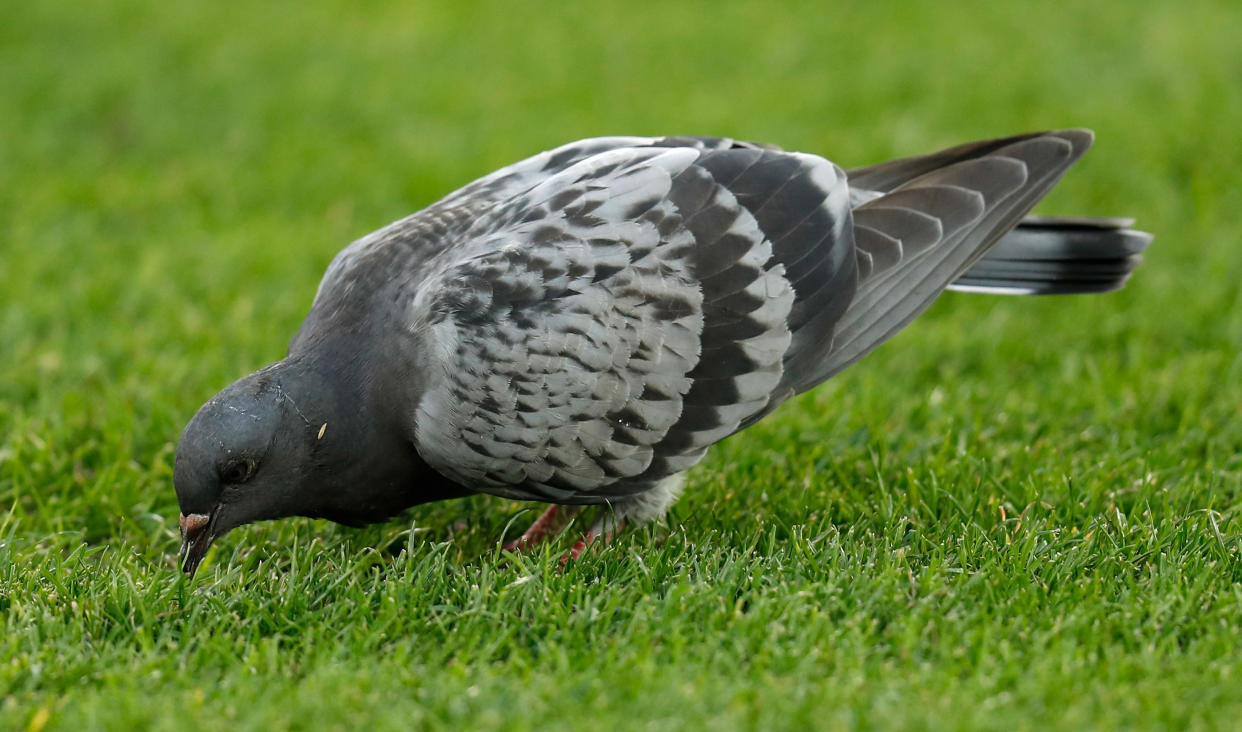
(237, 472)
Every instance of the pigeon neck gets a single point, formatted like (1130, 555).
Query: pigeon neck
(361, 467)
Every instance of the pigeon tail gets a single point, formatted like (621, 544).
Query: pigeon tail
(1058, 256)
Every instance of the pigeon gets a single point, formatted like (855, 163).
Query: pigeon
(579, 328)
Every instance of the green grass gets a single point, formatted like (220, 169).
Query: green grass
(1021, 513)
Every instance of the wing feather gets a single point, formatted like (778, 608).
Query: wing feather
(598, 332)
(973, 201)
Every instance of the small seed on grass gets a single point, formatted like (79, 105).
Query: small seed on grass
(322, 429)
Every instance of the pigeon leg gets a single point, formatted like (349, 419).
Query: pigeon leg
(606, 527)
(549, 523)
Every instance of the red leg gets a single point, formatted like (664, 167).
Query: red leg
(548, 524)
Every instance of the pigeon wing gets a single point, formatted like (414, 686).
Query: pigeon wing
(596, 333)
(924, 221)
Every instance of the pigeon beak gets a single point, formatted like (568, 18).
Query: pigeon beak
(196, 538)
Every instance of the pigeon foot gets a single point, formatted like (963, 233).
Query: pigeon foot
(549, 524)
(606, 527)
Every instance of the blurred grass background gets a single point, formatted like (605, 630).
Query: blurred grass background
(1021, 513)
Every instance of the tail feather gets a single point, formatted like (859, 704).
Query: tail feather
(1058, 256)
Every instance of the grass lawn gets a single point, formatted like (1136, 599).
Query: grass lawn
(1021, 513)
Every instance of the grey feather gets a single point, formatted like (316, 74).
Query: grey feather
(658, 298)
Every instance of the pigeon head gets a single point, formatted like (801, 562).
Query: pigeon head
(241, 458)
(292, 440)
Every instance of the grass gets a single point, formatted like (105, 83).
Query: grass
(1022, 513)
